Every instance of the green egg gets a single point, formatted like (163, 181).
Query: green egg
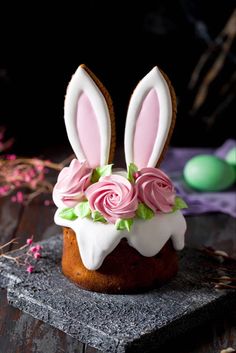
(208, 173)
(231, 157)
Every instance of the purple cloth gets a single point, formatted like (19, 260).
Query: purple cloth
(199, 202)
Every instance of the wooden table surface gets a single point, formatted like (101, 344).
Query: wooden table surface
(20, 333)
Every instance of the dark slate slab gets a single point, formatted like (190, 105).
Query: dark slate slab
(116, 323)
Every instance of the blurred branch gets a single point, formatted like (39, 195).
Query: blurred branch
(220, 48)
(219, 109)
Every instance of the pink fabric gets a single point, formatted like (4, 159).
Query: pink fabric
(146, 129)
(71, 183)
(155, 189)
(88, 131)
(114, 197)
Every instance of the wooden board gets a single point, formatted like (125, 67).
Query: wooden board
(117, 323)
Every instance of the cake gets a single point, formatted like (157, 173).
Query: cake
(121, 228)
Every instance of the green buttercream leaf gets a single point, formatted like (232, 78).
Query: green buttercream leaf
(68, 213)
(144, 212)
(132, 168)
(101, 171)
(97, 217)
(82, 210)
(122, 224)
(179, 204)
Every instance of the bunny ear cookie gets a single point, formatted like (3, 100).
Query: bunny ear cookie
(150, 120)
(89, 118)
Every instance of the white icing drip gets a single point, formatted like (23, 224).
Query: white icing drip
(97, 240)
(153, 79)
(82, 82)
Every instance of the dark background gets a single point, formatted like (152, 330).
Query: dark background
(42, 47)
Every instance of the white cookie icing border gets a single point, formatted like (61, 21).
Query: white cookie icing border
(81, 82)
(154, 79)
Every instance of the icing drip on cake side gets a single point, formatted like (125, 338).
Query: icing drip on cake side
(97, 240)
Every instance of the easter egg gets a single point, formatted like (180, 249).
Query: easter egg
(231, 157)
(208, 173)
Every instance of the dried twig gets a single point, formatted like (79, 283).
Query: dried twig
(225, 281)
(23, 258)
(228, 350)
(26, 173)
(217, 254)
(224, 286)
(6, 244)
(221, 45)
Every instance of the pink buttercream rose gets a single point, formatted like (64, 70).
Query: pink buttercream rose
(155, 189)
(71, 184)
(114, 197)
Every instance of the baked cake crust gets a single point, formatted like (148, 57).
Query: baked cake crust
(124, 270)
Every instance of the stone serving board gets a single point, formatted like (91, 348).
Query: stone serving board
(116, 323)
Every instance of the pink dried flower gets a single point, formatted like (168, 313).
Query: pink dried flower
(33, 249)
(30, 269)
(13, 198)
(19, 197)
(29, 241)
(47, 203)
(33, 184)
(23, 259)
(31, 173)
(17, 172)
(37, 255)
(11, 157)
(27, 178)
(6, 188)
(2, 191)
(39, 167)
